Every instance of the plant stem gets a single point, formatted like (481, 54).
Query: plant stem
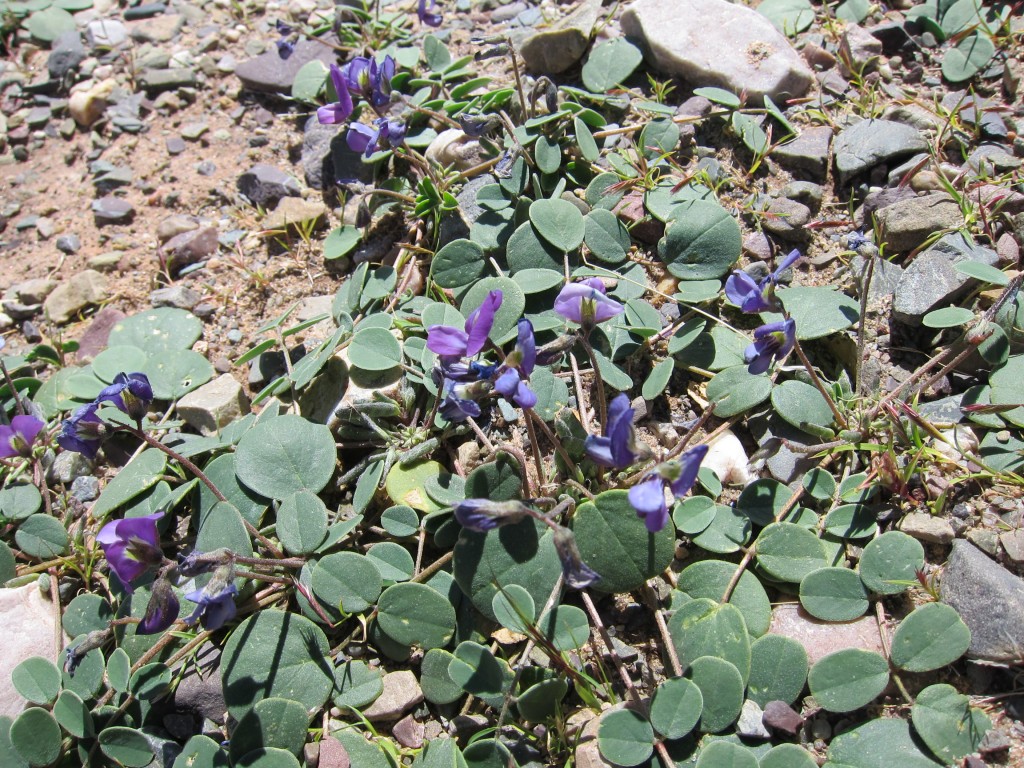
(840, 419)
(535, 448)
(598, 382)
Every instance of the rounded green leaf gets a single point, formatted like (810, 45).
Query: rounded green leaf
(19, 501)
(788, 16)
(787, 756)
(201, 752)
(42, 537)
(118, 670)
(701, 243)
(834, 594)
(35, 736)
(947, 317)
(514, 608)
(606, 236)
(286, 454)
(374, 349)
(127, 746)
(438, 686)
(487, 753)
(789, 552)
(801, 405)
(409, 485)
(725, 754)
(347, 582)
(73, 715)
(566, 627)
(820, 484)
(48, 24)
(302, 523)
(763, 500)
(221, 471)
(931, 637)
(273, 722)
(268, 757)
(676, 708)
(778, 669)
(88, 678)
(881, 743)
(542, 701)
(416, 615)
(309, 81)
(526, 250)
(709, 578)
(615, 542)
(400, 521)
(693, 515)
(721, 687)
(141, 473)
(393, 561)
(625, 737)
(946, 722)
(173, 376)
(729, 531)
(37, 679)
(547, 154)
(479, 672)
(357, 684)
(150, 681)
(86, 613)
(276, 654)
(703, 627)
(889, 564)
(609, 64)
(818, 312)
(735, 390)
(851, 521)
(457, 264)
(848, 679)
(559, 222)
(968, 58)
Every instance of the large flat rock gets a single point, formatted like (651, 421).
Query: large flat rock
(713, 42)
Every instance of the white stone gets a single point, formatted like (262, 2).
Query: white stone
(728, 460)
(214, 405)
(713, 42)
(454, 148)
(963, 441)
(88, 104)
(29, 630)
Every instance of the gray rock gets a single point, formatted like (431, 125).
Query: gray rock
(868, 143)
(175, 225)
(316, 151)
(33, 291)
(401, 693)
(908, 223)
(177, 296)
(820, 638)
(144, 11)
(94, 340)
(713, 42)
(159, 29)
(554, 50)
(189, 248)
(926, 527)
(993, 160)
(65, 55)
(68, 467)
(805, 192)
(85, 488)
(787, 219)
(1013, 544)
(807, 153)
(989, 599)
(29, 631)
(68, 244)
(112, 210)
(175, 145)
(214, 405)
(71, 296)
(155, 80)
(165, 751)
(750, 724)
(201, 690)
(860, 49)
(269, 73)
(295, 212)
(265, 185)
(885, 277)
(106, 33)
(931, 280)
(783, 464)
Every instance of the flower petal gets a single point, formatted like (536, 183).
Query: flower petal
(445, 340)
(480, 322)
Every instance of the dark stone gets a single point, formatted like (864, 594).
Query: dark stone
(155, 80)
(112, 210)
(178, 296)
(189, 247)
(68, 244)
(175, 145)
(780, 717)
(94, 340)
(807, 154)
(869, 143)
(892, 36)
(144, 11)
(200, 691)
(989, 599)
(316, 150)
(994, 742)
(269, 73)
(265, 185)
(65, 55)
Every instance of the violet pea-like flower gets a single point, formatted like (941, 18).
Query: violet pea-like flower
(483, 515)
(449, 342)
(215, 609)
(338, 111)
(383, 134)
(772, 341)
(17, 439)
(130, 392)
(458, 401)
(83, 431)
(753, 296)
(424, 10)
(585, 303)
(617, 447)
(648, 496)
(162, 609)
(365, 77)
(575, 572)
(511, 384)
(131, 546)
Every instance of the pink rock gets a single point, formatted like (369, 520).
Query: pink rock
(820, 638)
(94, 340)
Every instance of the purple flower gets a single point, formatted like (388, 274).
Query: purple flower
(338, 111)
(384, 134)
(575, 572)
(83, 431)
(585, 303)
(454, 342)
(130, 392)
(772, 341)
(855, 240)
(618, 447)
(484, 515)
(286, 44)
(463, 371)
(195, 562)
(423, 9)
(517, 369)
(215, 603)
(131, 546)
(17, 439)
(648, 496)
(162, 609)
(365, 77)
(752, 296)
(458, 401)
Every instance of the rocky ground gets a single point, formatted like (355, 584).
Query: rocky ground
(151, 155)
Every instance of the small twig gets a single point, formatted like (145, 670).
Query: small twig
(839, 417)
(535, 449)
(584, 411)
(480, 434)
(666, 638)
(880, 618)
(598, 382)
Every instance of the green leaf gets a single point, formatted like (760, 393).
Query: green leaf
(118, 670)
(42, 537)
(625, 737)
(547, 154)
(73, 715)
(834, 594)
(709, 578)
(778, 669)
(659, 137)
(552, 393)
(820, 484)
(158, 331)
(703, 627)
(416, 615)
(309, 82)
(49, 24)
(479, 672)
(606, 236)
(276, 654)
(458, 264)
(566, 627)
(750, 132)
(585, 141)
(341, 241)
(851, 521)
(223, 527)
(658, 379)
(735, 390)
(693, 515)
(36, 737)
(881, 743)
(719, 96)
(789, 552)
(615, 542)
(435, 53)
(273, 722)
(438, 686)
(150, 681)
(854, 11)
(787, 756)
(302, 523)
(948, 317)
(559, 222)
(512, 306)
(947, 723)
(848, 679)
(286, 454)
(375, 349)
(542, 701)
(127, 746)
(725, 754)
(221, 472)
(676, 708)
(889, 563)
(701, 243)
(929, 638)
(268, 757)
(610, 63)
(526, 250)
(20, 500)
(721, 687)
(409, 485)
(37, 679)
(346, 581)
(141, 473)
(514, 608)
(976, 269)
(763, 500)
(818, 312)
(729, 531)
(201, 752)
(357, 684)
(801, 405)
